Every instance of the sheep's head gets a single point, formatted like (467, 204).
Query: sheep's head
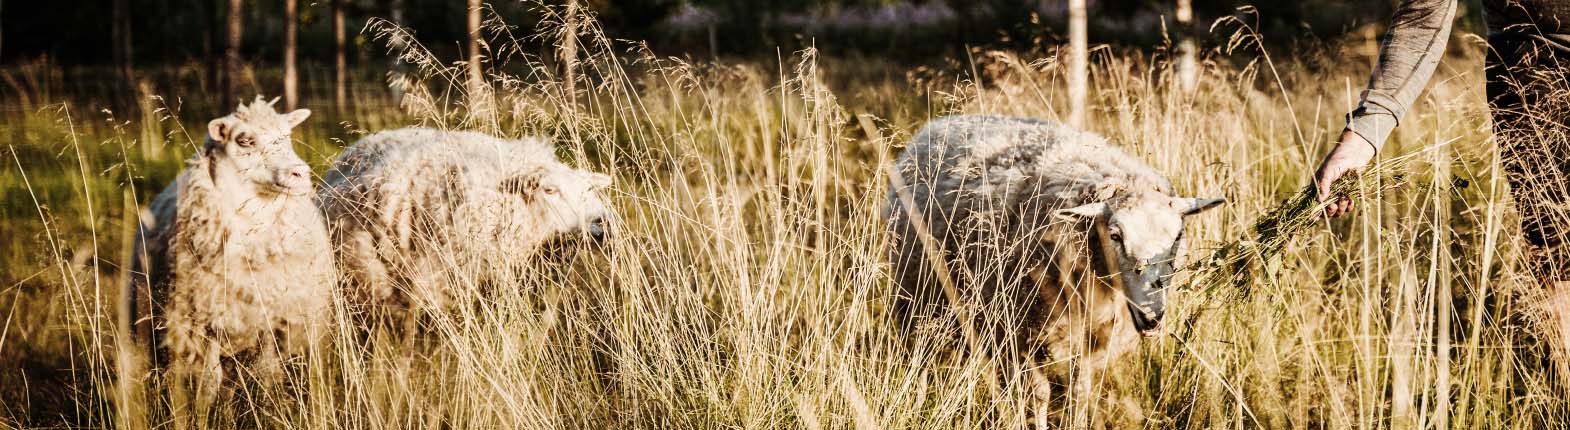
(1139, 237)
(564, 201)
(253, 146)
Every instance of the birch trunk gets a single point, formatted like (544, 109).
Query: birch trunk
(568, 55)
(340, 61)
(476, 75)
(1078, 63)
(291, 77)
(1187, 64)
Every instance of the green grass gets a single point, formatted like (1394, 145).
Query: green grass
(751, 290)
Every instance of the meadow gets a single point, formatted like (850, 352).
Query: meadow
(750, 287)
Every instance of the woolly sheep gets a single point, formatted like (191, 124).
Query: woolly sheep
(418, 214)
(232, 264)
(1038, 210)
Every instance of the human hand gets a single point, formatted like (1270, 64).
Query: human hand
(1349, 157)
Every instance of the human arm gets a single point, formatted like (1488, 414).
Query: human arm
(1411, 51)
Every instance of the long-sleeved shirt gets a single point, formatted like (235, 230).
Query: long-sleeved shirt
(1416, 41)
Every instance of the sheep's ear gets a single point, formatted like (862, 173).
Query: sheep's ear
(525, 184)
(297, 117)
(597, 180)
(1088, 210)
(1193, 205)
(221, 129)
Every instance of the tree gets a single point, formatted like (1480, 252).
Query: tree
(121, 31)
(340, 61)
(231, 73)
(569, 52)
(211, 36)
(476, 79)
(398, 44)
(1187, 64)
(1078, 63)
(291, 78)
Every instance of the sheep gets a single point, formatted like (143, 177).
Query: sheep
(419, 215)
(1053, 219)
(232, 265)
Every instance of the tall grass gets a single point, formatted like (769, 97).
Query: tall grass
(749, 288)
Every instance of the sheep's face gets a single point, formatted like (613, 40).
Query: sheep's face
(254, 147)
(563, 201)
(1139, 241)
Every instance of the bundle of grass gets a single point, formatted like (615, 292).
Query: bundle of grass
(1228, 274)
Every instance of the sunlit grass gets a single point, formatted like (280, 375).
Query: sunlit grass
(750, 288)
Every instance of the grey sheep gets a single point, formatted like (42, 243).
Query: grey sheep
(1079, 235)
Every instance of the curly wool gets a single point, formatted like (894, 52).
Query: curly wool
(985, 188)
(422, 216)
(229, 275)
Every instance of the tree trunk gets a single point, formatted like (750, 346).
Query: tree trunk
(340, 61)
(291, 76)
(231, 76)
(396, 82)
(121, 31)
(476, 76)
(210, 42)
(568, 55)
(1187, 63)
(1078, 63)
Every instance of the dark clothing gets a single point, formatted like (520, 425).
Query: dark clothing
(1416, 41)
(1528, 94)
(1530, 100)
(1549, 18)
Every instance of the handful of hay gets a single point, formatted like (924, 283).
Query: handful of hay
(1228, 273)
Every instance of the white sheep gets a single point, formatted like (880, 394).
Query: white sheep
(421, 215)
(1053, 221)
(232, 265)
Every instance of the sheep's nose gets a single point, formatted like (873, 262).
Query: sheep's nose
(300, 172)
(597, 230)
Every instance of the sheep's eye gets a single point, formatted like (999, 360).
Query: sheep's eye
(1116, 237)
(548, 189)
(245, 141)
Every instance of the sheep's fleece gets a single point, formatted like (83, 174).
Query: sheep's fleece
(229, 265)
(421, 216)
(1002, 199)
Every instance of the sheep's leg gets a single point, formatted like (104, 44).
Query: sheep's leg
(209, 378)
(1041, 395)
(178, 379)
(1081, 394)
(268, 367)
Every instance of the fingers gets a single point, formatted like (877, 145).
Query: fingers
(1322, 182)
(1328, 173)
(1338, 204)
(1341, 206)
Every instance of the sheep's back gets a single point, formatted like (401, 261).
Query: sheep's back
(958, 166)
(388, 197)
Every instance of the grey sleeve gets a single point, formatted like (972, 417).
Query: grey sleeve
(1411, 50)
